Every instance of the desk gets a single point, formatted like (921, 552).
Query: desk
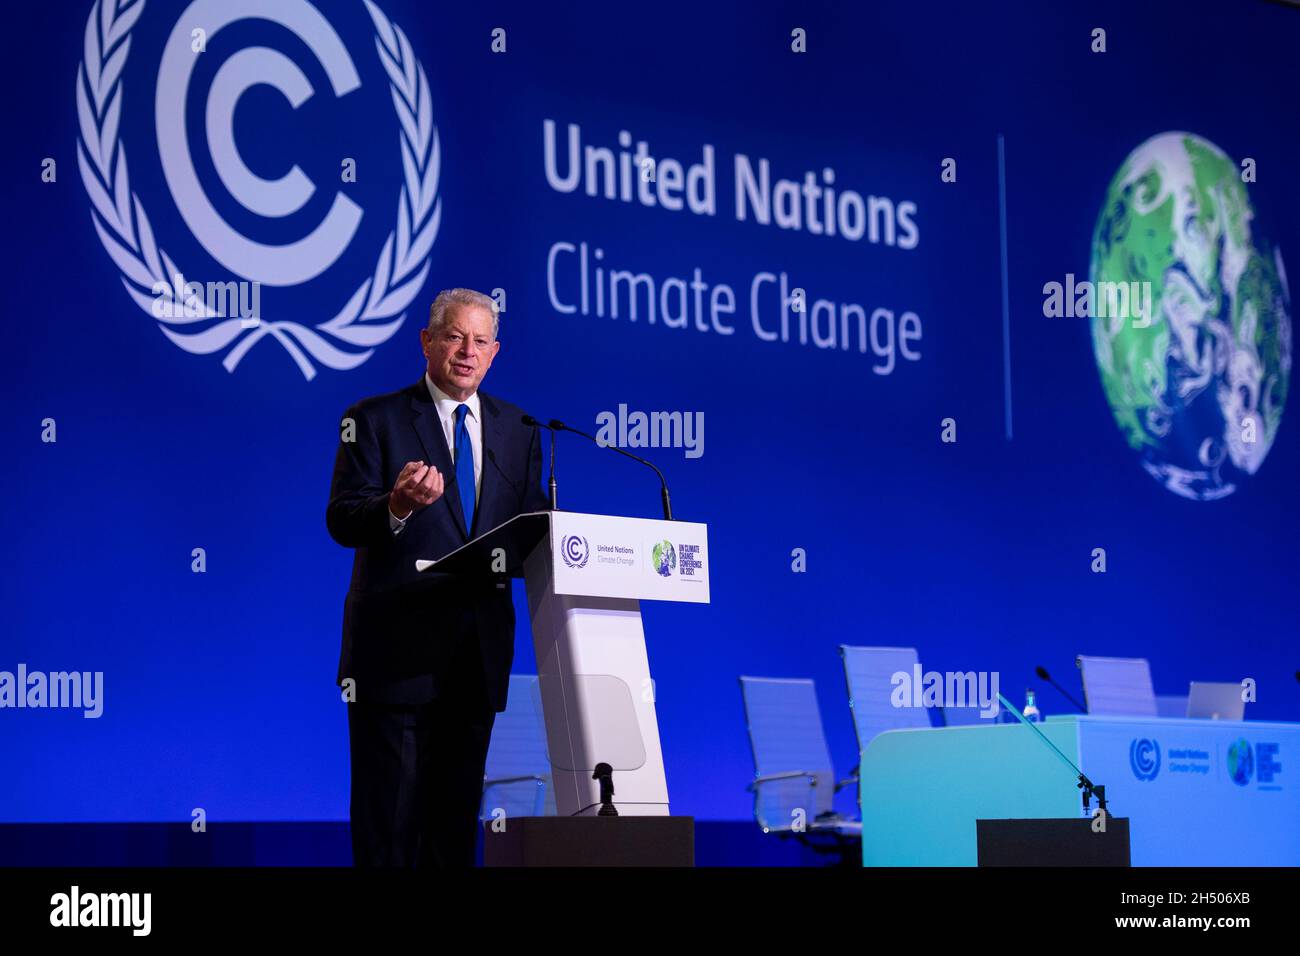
(1196, 792)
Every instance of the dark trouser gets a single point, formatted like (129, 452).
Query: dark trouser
(417, 773)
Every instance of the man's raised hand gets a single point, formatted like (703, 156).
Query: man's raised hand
(418, 486)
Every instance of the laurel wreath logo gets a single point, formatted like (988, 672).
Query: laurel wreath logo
(124, 229)
(575, 551)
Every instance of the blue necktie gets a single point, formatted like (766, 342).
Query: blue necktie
(465, 468)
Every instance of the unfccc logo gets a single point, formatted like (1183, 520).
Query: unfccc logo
(574, 550)
(366, 318)
(1144, 758)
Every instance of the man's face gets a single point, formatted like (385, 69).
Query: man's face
(460, 353)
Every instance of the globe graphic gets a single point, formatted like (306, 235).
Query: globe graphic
(1198, 384)
(1241, 762)
(664, 558)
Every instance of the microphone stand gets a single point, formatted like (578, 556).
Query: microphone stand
(1089, 788)
(552, 493)
(663, 483)
(550, 484)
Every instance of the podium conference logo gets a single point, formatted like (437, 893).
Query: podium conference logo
(1144, 758)
(1197, 385)
(663, 558)
(195, 316)
(1241, 761)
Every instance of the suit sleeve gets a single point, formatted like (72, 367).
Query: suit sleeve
(535, 499)
(357, 514)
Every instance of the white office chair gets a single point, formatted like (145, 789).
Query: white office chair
(794, 784)
(517, 777)
(868, 672)
(1117, 686)
(1171, 705)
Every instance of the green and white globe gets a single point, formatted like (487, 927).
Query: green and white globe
(1198, 386)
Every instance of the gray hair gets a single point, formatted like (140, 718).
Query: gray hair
(449, 297)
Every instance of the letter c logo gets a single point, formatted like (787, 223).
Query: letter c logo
(278, 265)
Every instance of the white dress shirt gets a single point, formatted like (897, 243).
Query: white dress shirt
(446, 406)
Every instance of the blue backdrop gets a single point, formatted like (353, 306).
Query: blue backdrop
(219, 686)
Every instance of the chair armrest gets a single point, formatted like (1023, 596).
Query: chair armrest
(499, 780)
(539, 800)
(785, 775)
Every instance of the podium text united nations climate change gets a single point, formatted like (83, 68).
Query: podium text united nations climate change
(580, 280)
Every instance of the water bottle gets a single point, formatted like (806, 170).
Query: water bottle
(1031, 708)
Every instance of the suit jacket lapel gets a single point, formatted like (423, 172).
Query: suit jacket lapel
(424, 418)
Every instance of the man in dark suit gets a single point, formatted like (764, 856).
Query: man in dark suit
(426, 657)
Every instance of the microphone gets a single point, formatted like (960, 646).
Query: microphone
(558, 426)
(1041, 671)
(550, 484)
(605, 774)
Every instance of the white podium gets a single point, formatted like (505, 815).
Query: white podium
(586, 576)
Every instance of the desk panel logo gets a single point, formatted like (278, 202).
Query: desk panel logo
(1258, 761)
(1144, 758)
(1241, 762)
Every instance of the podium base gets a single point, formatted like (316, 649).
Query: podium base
(591, 841)
(1051, 842)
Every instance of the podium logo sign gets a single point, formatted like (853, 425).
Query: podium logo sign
(574, 550)
(1144, 758)
(690, 560)
(684, 559)
(663, 558)
(196, 101)
(641, 558)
